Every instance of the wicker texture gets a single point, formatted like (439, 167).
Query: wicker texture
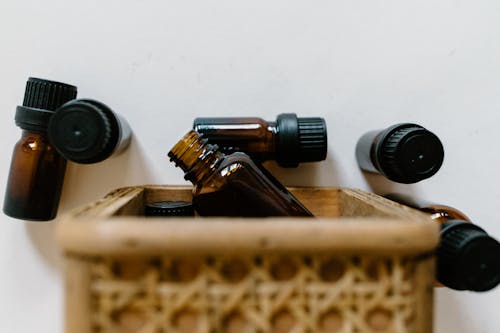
(364, 265)
(257, 294)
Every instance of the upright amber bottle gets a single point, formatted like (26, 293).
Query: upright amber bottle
(289, 140)
(37, 170)
(467, 257)
(231, 185)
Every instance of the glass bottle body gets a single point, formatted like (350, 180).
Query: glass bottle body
(239, 188)
(251, 135)
(35, 178)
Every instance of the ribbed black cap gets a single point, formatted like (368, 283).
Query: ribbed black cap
(467, 257)
(47, 95)
(169, 208)
(41, 98)
(408, 153)
(32, 119)
(84, 131)
(300, 139)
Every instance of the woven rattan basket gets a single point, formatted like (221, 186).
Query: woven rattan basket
(364, 264)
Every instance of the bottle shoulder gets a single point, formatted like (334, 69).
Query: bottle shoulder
(237, 157)
(230, 167)
(33, 142)
(443, 213)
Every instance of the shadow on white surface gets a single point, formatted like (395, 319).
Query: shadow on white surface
(382, 186)
(43, 238)
(308, 174)
(448, 304)
(84, 184)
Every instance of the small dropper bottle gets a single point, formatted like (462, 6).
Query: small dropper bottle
(467, 257)
(37, 170)
(289, 140)
(404, 153)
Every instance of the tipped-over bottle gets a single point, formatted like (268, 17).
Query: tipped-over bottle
(231, 185)
(467, 257)
(88, 131)
(403, 153)
(289, 140)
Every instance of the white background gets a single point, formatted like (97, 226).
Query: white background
(360, 64)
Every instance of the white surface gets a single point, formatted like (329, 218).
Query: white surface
(360, 64)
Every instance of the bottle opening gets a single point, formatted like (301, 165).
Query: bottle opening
(194, 155)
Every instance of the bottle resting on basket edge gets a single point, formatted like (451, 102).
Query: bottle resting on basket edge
(289, 140)
(467, 257)
(231, 185)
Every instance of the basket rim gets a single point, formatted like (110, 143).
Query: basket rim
(93, 230)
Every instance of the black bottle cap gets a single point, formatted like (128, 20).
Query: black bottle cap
(169, 208)
(41, 98)
(467, 257)
(84, 131)
(300, 139)
(32, 119)
(47, 95)
(408, 153)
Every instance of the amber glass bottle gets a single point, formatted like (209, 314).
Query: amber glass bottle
(467, 257)
(230, 185)
(404, 153)
(289, 140)
(37, 170)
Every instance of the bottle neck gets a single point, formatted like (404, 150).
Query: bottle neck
(195, 157)
(373, 151)
(32, 132)
(272, 136)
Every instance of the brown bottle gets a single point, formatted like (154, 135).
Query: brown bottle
(37, 170)
(231, 185)
(289, 140)
(467, 257)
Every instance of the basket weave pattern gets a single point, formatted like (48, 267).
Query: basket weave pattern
(363, 265)
(254, 294)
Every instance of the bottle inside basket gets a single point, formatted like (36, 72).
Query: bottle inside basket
(467, 257)
(37, 170)
(404, 153)
(169, 209)
(289, 140)
(231, 185)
